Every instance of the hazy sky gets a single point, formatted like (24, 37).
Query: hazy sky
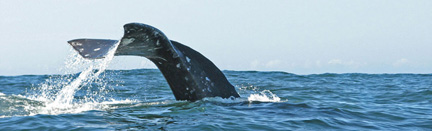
(296, 36)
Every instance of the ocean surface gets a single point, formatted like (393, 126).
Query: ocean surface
(99, 99)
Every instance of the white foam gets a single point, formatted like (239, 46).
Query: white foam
(264, 96)
(156, 103)
(73, 108)
(1, 94)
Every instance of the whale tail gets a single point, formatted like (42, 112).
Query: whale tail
(190, 75)
(92, 48)
(213, 80)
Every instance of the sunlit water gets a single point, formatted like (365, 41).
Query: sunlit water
(95, 99)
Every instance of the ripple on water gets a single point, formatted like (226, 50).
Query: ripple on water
(142, 100)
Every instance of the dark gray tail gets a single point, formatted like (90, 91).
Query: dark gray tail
(92, 48)
(190, 75)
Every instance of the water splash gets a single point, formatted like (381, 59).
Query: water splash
(264, 96)
(66, 95)
(256, 94)
(58, 93)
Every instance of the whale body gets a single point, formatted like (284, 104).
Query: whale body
(190, 75)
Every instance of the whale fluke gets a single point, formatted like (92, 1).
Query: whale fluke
(92, 48)
(190, 75)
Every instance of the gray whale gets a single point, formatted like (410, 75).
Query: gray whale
(190, 75)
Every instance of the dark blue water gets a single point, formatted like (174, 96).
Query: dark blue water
(142, 100)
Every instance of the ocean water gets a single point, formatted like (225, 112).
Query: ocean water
(99, 99)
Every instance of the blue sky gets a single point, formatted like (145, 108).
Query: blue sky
(296, 36)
